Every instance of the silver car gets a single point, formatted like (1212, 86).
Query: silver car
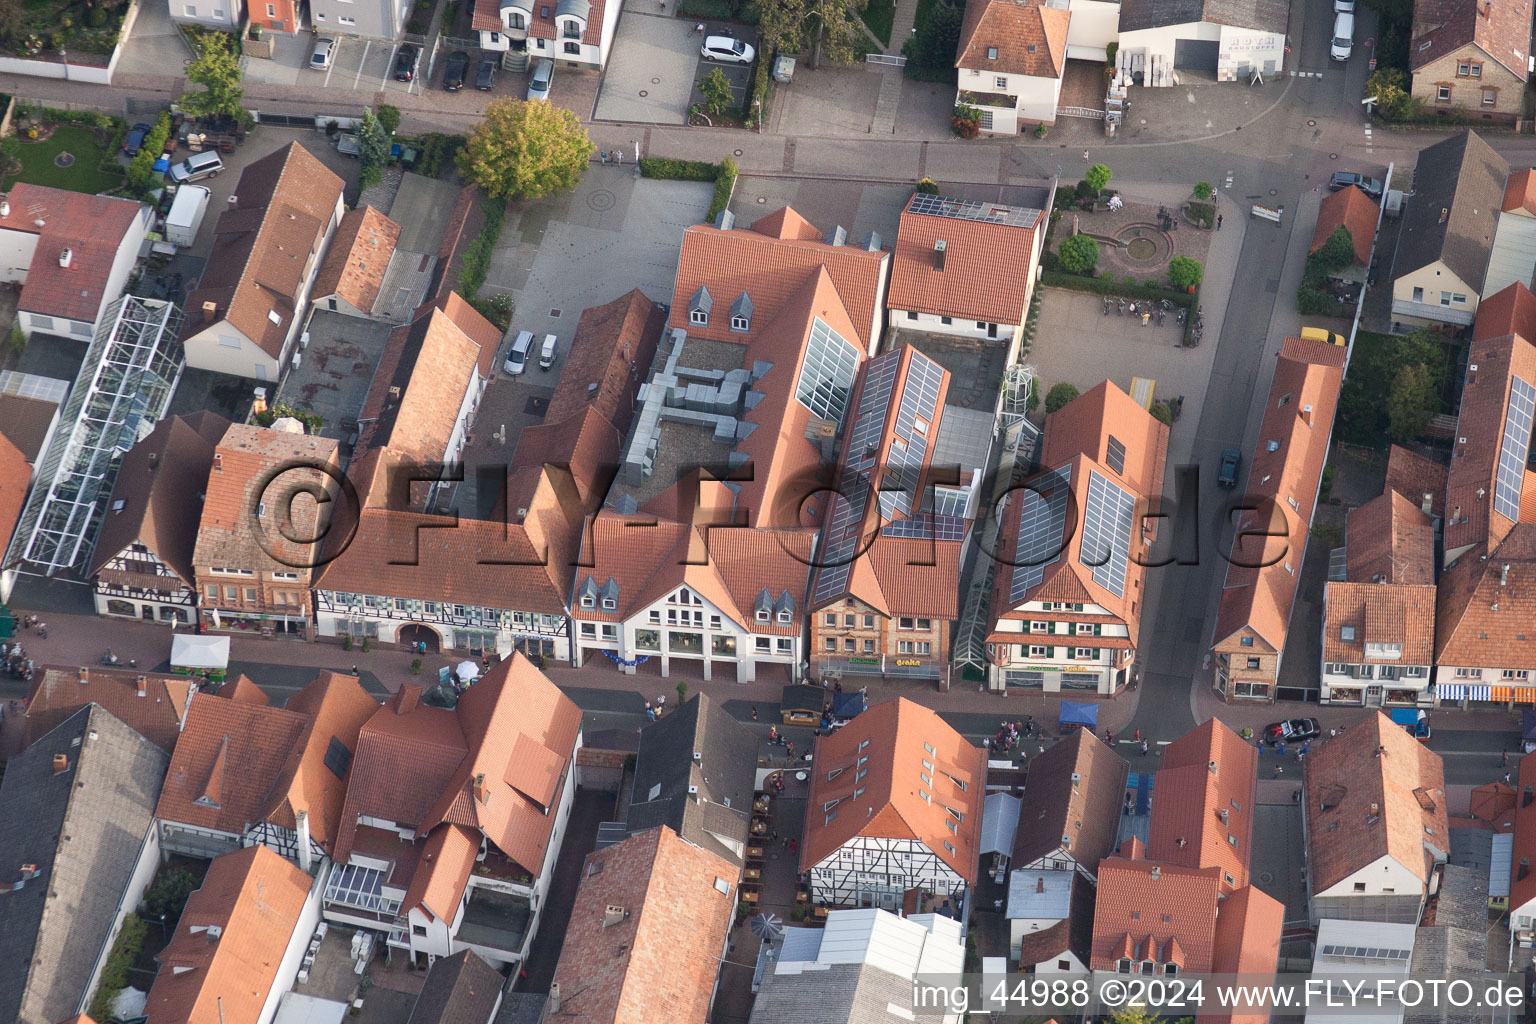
(540, 79)
(324, 54)
(727, 50)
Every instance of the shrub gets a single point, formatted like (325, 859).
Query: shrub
(346, 643)
(682, 692)
(966, 121)
(678, 170)
(928, 187)
(389, 118)
(1109, 56)
(1109, 286)
(1162, 413)
(1203, 190)
(725, 186)
(1059, 395)
(1084, 190)
(168, 895)
(1040, 131)
(415, 666)
(1184, 272)
(365, 645)
(477, 255)
(18, 341)
(142, 177)
(1204, 214)
(115, 972)
(498, 309)
(1078, 254)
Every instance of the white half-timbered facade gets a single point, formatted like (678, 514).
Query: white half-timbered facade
(870, 871)
(137, 585)
(472, 629)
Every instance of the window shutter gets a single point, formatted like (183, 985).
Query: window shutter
(1096, 653)
(1050, 652)
(1098, 627)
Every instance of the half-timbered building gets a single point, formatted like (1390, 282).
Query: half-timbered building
(895, 804)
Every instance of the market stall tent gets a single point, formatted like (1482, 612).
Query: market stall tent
(205, 655)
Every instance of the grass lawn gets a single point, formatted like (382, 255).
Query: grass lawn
(38, 167)
(879, 16)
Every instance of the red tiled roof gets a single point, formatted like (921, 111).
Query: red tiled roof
(1347, 208)
(1202, 816)
(1416, 477)
(256, 468)
(354, 266)
(658, 962)
(1248, 927)
(1298, 417)
(770, 262)
(1363, 803)
(1073, 801)
(1471, 518)
(15, 479)
(447, 858)
(261, 245)
(897, 731)
(157, 716)
(1502, 31)
(27, 423)
(1379, 613)
(1143, 907)
(256, 898)
(1390, 539)
(1027, 37)
(1520, 193)
(1522, 880)
(92, 228)
(242, 689)
(426, 370)
(985, 276)
(1486, 608)
(487, 18)
(1510, 310)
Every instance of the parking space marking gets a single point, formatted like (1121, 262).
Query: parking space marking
(358, 81)
(330, 69)
(389, 67)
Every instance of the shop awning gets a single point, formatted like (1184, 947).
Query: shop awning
(1073, 713)
(199, 652)
(1461, 691)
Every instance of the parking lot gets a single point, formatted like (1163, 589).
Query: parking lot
(365, 64)
(651, 69)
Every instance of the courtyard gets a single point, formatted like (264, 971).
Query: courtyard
(70, 158)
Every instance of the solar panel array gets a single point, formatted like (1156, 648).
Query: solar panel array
(1042, 518)
(971, 209)
(1114, 455)
(1515, 449)
(904, 464)
(924, 526)
(1366, 952)
(1107, 522)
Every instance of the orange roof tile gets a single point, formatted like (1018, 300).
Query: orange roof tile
(1143, 906)
(1417, 478)
(1390, 539)
(259, 511)
(157, 716)
(1347, 208)
(897, 731)
(1471, 518)
(1485, 608)
(645, 968)
(1248, 927)
(261, 245)
(91, 227)
(1363, 803)
(15, 479)
(487, 18)
(447, 858)
(479, 330)
(1522, 881)
(1026, 37)
(242, 689)
(1520, 193)
(985, 274)
(770, 262)
(255, 898)
(359, 255)
(1293, 444)
(1202, 816)
(428, 367)
(1510, 310)
(1397, 613)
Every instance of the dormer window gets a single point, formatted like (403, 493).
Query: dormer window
(609, 604)
(699, 307)
(783, 618)
(991, 53)
(740, 323)
(741, 313)
(588, 601)
(762, 615)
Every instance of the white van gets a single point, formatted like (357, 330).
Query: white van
(517, 355)
(547, 352)
(1343, 36)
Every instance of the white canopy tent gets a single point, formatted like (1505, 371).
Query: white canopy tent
(200, 653)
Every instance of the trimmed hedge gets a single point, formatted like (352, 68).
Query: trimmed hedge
(1113, 286)
(115, 972)
(678, 170)
(725, 184)
(477, 256)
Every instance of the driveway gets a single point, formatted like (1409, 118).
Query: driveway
(289, 63)
(739, 75)
(651, 69)
(156, 46)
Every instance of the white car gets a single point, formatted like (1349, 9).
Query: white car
(539, 81)
(324, 54)
(727, 50)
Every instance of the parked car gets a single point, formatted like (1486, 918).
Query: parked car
(1344, 179)
(727, 50)
(1295, 730)
(196, 167)
(453, 73)
(324, 54)
(485, 74)
(405, 63)
(134, 141)
(540, 79)
(1230, 460)
(1343, 36)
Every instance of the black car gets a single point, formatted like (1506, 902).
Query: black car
(1344, 179)
(453, 74)
(134, 140)
(405, 63)
(485, 75)
(1296, 730)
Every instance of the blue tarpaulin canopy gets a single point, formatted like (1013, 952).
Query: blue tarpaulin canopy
(846, 705)
(1073, 713)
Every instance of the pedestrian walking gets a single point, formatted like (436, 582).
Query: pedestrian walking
(754, 712)
(791, 748)
(1506, 778)
(1332, 733)
(354, 670)
(794, 846)
(1279, 769)
(1503, 759)
(774, 835)
(1138, 734)
(1143, 748)
(773, 734)
(1085, 154)
(1218, 222)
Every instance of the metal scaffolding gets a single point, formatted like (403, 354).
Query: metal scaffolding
(122, 390)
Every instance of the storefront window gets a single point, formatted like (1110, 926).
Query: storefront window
(723, 646)
(686, 643)
(647, 640)
(122, 608)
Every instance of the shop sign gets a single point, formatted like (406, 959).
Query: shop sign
(864, 661)
(907, 662)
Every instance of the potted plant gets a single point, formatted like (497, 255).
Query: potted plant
(966, 121)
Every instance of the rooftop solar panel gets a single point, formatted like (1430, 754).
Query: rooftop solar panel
(1042, 518)
(1515, 449)
(924, 525)
(1114, 455)
(1107, 522)
(971, 209)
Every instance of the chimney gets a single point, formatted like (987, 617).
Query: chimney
(66, 256)
(1182, 842)
(215, 932)
(406, 699)
(613, 915)
(482, 794)
(210, 312)
(143, 686)
(301, 821)
(85, 675)
(554, 998)
(1427, 503)
(1375, 808)
(218, 462)
(1482, 492)
(60, 763)
(1040, 884)
(1444, 213)
(154, 459)
(1212, 766)
(1157, 872)
(1222, 814)
(1504, 575)
(938, 255)
(5, 207)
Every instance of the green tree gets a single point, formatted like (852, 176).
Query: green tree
(217, 70)
(1393, 100)
(1059, 395)
(1078, 254)
(928, 187)
(717, 91)
(1338, 252)
(1097, 177)
(526, 150)
(1203, 190)
(1162, 413)
(831, 28)
(13, 20)
(1184, 273)
(168, 895)
(141, 171)
(935, 44)
(389, 117)
(682, 692)
(1410, 403)
(373, 151)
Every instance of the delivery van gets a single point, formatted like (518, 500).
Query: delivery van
(517, 355)
(1318, 334)
(547, 352)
